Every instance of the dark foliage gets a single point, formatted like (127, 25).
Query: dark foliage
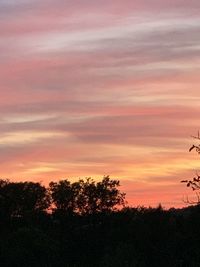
(86, 230)
(194, 183)
(22, 199)
(86, 196)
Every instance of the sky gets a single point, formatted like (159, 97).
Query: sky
(96, 87)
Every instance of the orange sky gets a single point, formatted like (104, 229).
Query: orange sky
(90, 88)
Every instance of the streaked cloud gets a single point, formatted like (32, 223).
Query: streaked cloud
(23, 138)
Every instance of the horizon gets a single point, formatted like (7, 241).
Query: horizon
(101, 88)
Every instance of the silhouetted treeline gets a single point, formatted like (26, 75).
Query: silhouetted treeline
(79, 225)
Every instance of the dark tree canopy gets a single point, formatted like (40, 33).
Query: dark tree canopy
(22, 198)
(56, 225)
(65, 195)
(86, 196)
(83, 230)
(19, 199)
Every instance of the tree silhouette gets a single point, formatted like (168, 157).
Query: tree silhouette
(65, 196)
(86, 196)
(194, 183)
(19, 199)
(103, 196)
(85, 232)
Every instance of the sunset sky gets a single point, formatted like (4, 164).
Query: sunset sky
(97, 87)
